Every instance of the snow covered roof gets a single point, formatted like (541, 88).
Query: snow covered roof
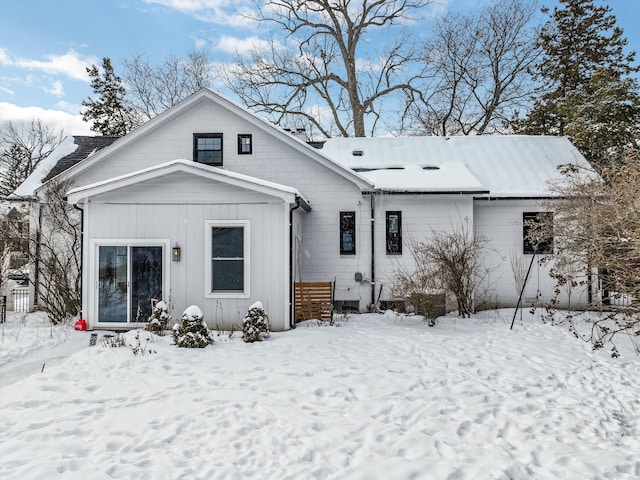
(285, 192)
(500, 166)
(71, 150)
(205, 95)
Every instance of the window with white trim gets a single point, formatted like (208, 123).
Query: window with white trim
(227, 269)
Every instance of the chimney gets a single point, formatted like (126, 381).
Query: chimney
(300, 133)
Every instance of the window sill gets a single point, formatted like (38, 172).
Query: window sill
(227, 295)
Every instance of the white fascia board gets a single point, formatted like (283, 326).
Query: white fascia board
(225, 103)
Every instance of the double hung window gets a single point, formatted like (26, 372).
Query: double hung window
(228, 258)
(207, 148)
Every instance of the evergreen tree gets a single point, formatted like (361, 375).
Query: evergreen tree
(583, 57)
(109, 113)
(603, 118)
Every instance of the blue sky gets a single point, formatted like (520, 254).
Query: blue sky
(45, 45)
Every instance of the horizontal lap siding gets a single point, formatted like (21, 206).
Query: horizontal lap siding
(328, 194)
(501, 223)
(421, 216)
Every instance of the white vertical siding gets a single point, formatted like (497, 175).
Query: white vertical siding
(184, 224)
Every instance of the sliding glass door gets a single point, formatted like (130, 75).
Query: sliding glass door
(129, 278)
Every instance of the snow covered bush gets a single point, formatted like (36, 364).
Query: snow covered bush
(159, 319)
(192, 331)
(255, 326)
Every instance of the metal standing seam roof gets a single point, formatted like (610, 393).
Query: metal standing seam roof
(502, 166)
(497, 166)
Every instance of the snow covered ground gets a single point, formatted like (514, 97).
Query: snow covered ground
(378, 397)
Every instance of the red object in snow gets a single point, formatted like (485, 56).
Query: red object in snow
(81, 324)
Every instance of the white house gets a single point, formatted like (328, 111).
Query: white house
(209, 204)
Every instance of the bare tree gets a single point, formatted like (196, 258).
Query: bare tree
(22, 147)
(326, 79)
(54, 254)
(5, 259)
(598, 225)
(476, 69)
(519, 271)
(449, 262)
(153, 89)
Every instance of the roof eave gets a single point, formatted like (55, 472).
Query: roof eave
(79, 194)
(392, 191)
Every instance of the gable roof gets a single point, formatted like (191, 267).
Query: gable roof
(70, 151)
(254, 119)
(87, 146)
(518, 166)
(284, 192)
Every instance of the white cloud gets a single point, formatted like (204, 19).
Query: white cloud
(200, 43)
(367, 65)
(56, 89)
(72, 108)
(320, 112)
(58, 119)
(6, 90)
(70, 64)
(231, 13)
(234, 45)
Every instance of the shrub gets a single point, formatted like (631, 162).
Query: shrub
(255, 326)
(192, 331)
(448, 262)
(159, 319)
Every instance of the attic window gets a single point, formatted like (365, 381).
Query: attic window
(358, 153)
(207, 148)
(245, 144)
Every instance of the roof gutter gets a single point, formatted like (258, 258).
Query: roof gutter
(300, 203)
(77, 207)
(493, 199)
(380, 191)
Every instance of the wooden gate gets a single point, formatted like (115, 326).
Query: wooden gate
(313, 300)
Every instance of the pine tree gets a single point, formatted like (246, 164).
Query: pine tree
(109, 113)
(603, 118)
(583, 57)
